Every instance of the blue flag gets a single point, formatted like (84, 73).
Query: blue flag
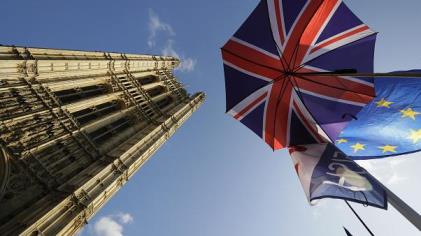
(326, 172)
(389, 125)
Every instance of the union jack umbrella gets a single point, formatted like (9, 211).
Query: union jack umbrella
(288, 70)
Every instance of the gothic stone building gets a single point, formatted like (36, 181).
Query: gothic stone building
(74, 127)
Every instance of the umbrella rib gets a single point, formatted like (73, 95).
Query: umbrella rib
(281, 55)
(359, 95)
(330, 86)
(283, 60)
(284, 81)
(248, 60)
(304, 103)
(301, 34)
(295, 53)
(302, 65)
(343, 84)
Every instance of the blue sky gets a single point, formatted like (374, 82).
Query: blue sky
(215, 177)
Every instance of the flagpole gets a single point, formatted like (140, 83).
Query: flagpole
(355, 74)
(346, 231)
(410, 214)
(406, 211)
(359, 218)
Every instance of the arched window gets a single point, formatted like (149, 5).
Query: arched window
(164, 102)
(92, 113)
(156, 91)
(103, 134)
(75, 94)
(148, 80)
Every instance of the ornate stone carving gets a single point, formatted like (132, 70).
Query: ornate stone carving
(51, 156)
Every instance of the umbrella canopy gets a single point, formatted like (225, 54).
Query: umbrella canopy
(283, 70)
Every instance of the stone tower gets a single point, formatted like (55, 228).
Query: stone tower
(74, 127)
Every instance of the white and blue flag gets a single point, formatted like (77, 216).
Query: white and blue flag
(326, 172)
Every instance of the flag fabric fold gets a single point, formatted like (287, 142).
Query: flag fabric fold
(326, 172)
(389, 125)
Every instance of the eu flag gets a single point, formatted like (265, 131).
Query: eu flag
(389, 125)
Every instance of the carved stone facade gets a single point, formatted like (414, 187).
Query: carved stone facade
(74, 127)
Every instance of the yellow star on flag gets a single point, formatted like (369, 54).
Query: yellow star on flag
(409, 113)
(358, 147)
(388, 148)
(383, 103)
(342, 140)
(415, 135)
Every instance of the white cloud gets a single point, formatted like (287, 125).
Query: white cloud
(318, 207)
(187, 63)
(157, 26)
(106, 226)
(395, 179)
(112, 225)
(386, 170)
(125, 218)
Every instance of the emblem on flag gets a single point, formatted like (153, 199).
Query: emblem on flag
(326, 172)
